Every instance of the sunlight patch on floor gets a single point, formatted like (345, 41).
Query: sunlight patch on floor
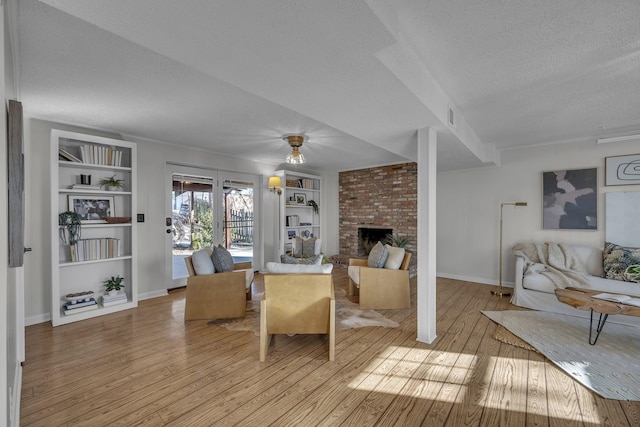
(418, 373)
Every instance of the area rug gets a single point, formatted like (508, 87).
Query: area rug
(502, 334)
(348, 316)
(611, 368)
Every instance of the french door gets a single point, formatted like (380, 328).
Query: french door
(207, 208)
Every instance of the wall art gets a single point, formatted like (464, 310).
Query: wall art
(622, 170)
(570, 199)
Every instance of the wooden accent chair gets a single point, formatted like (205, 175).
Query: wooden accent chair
(297, 304)
(380, 288)
(218, 295)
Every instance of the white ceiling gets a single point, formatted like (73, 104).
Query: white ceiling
(357, 77)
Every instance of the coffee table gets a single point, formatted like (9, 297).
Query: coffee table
(582, 299)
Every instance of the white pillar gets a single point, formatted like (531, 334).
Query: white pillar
(426, 297)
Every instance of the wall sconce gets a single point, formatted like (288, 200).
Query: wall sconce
(499, 292)
(275, 185)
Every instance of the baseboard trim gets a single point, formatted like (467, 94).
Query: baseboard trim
(38, 318)
(475, 280)
(154, 294)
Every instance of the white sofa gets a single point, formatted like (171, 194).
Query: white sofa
(536, 291)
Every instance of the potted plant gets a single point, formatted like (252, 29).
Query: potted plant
(313, 205)
(114, 284)
(633, 272)
(397, 240)
(112, 183)
(69, 226)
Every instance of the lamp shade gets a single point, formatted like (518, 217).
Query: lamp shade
(295, 157)
(274, 183)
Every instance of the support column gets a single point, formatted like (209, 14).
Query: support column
(426, 296)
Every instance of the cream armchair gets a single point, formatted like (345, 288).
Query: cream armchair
(218, 295)
(297, 304)
(380, 288)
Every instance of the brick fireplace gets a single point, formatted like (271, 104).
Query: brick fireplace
(384, 197)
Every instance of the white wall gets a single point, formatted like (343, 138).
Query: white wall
(330, 213)
(152, 158)
(468, 212)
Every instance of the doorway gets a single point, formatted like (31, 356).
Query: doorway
(210, 208)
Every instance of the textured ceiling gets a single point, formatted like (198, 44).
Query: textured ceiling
(357, 77)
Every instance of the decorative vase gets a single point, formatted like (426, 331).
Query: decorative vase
(113, 292)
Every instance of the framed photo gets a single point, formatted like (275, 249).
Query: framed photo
(291, 234)
(92, 209)
(622, 170)
(301, 198)
(570, 199)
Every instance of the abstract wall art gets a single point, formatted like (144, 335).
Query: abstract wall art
(570, 199)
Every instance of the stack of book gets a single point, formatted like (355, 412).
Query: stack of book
(292, 221)
(78, 306)
(101, 155)
(97, 248)
(85, 187)
(119, 298)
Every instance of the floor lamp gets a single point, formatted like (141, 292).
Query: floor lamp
(499, 292)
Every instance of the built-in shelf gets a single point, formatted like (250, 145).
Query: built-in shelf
(307, 187)
(70, 277)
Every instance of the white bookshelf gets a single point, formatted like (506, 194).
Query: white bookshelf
(112, 157)
(298, 219)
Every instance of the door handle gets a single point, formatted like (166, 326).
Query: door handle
(27, 250)
(168, 231)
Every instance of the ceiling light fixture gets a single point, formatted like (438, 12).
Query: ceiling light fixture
(295, 157)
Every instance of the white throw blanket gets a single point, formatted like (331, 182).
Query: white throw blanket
(557, 261)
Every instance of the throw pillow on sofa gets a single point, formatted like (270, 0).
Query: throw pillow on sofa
(616, 259)
(304, 247)
(378, 256)
(314, 260)
(202, 262)
(395, 258)
(222, 259)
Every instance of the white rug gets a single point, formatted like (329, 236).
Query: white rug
(348, 316)
(611, 368)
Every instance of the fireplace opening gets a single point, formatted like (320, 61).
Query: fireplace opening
(368, 237)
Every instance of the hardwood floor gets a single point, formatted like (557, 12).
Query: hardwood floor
(148, 367)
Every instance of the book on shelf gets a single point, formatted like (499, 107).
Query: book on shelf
(85, 187)
(115, 301)
(101, 155)
(118, 296)
(292, 221)
(623, 299)
(81, 309)
(68, 156)
(94, 249)
(75, 305)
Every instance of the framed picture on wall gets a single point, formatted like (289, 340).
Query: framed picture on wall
(570, 199)
(622, 170)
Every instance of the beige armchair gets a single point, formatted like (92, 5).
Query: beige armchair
(297, 304)
(380, 288)
(218, 295)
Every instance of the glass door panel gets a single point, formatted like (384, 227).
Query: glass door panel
(193, 218)
(238, 224)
